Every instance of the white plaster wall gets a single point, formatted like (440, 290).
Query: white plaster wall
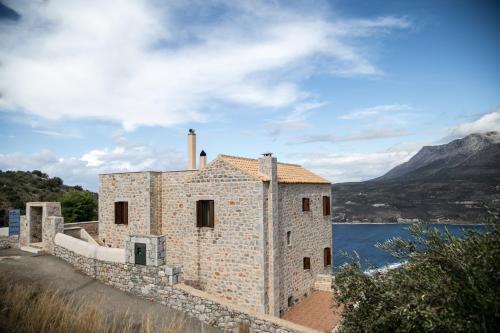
(90, 250)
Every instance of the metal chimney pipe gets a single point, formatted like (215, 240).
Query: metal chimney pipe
(203, 159)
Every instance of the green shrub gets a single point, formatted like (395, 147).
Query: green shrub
(78, 206)
(449, 284)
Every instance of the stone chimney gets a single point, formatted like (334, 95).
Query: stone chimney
(191, 164)
(268, 166)
(203, 159)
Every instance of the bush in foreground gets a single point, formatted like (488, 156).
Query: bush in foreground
(28, 308)
(449, 284)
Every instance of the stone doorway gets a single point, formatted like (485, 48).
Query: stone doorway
(35, 224)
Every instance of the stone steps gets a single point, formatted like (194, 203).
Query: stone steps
(31, 249)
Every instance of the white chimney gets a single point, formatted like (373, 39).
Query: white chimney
(191, 164)
(203, 159)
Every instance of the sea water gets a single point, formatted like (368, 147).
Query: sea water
(350, 237)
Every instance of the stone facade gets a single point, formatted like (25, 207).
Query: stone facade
(242, 258)
(152, 282)
(155, 249)
(310, 234)
(134, 188)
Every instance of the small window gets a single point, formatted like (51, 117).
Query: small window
(305, 205)
(288, 238)
(121, 212)
(327, 256)
(205, 213)
(326, 205)
(307, 263)
(290, 301)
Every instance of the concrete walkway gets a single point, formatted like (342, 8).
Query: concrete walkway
(55, 274)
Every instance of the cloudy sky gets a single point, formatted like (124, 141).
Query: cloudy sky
(347, 88)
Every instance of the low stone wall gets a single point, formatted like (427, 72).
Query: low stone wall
(152, 283)
(6, 242)
(92, 227)
(324, 282)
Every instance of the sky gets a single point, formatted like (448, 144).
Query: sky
(346, 88)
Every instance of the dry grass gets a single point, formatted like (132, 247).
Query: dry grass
(25, 307)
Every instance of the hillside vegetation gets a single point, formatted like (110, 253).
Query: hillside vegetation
(19, 187)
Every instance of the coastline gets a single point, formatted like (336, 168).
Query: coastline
(408, 223)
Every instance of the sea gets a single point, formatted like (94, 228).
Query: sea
(361, 238)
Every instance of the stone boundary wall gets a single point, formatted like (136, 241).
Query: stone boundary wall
(6, 242)
(92, 227)
(151, 282)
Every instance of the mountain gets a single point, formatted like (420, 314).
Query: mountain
(19, 187)
(444, 183)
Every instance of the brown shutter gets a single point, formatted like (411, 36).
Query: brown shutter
(118, 213)
(199, 213)
(307, 263)
(305, 205)
(326, 205)
(327, 256)
(125, 212)
(211, 215)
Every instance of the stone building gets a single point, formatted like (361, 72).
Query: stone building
(252, 231)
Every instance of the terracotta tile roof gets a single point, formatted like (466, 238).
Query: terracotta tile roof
(287, 173)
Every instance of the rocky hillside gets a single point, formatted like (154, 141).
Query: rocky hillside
(19, 187)
(445, 183)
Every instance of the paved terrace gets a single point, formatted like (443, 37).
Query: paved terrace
(315, 311)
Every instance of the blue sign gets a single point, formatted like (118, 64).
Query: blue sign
(14, 220)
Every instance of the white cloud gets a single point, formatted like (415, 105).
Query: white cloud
(84, 170)
(376, 111)
(366, 134)
(339, 168)
(485, 123)
(296, 119)
(137, 63)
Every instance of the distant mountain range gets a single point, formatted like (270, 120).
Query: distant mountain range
(445, 183)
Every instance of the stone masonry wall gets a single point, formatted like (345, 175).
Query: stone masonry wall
(151, 282)
(7, 242)
(155, 249)
(227, 260)
(133, 187)
(51, 225)
(311, 232)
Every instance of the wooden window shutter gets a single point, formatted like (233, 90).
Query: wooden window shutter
(327, 256)
(305, 205)
(307, 263)
(199, 213)
(125, 212)
(326, 205)
(211, 215)
(118, 213)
